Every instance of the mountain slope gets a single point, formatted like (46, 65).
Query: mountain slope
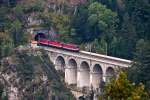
(29, 75)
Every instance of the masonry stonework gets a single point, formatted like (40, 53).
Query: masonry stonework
(85, 69)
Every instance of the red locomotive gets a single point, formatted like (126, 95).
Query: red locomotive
(45, 42)
(71, 47)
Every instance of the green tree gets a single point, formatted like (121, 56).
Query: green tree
(122, 89)
(94, 20)
(100, 46)
(128, 38)
(59, 22)
(139, 72)
(6, 44)
(103, 25)
(102, 20)
(139, 11)
(79, 23)
(18, 11)
(16, 31)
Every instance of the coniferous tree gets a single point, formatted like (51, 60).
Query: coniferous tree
(139, 72)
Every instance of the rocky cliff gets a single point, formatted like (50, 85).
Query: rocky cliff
(29, 75)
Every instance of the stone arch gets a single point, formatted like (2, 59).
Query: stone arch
(96, 76)
(71, 72)
(84, 65)
(110, 73)
(72, 63)
(84, 75)
(60, 63)
(39, 36)
(97, 69)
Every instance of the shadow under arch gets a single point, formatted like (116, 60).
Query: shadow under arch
(110, 73)
(72, 63)
(60, 63)
(97, 69)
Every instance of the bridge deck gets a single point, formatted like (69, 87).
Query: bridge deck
(105, 56)
(91, 56)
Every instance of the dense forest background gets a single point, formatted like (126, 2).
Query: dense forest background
(119, 28)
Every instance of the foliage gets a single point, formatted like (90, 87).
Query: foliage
(6, 44)
(100, 46)
(58, 22)
(101, 17)
(122, 89)
(140, 16)
(139, 72)
(98, 21)
(13, 23)
(133, 24)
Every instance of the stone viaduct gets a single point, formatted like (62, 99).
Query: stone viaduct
(86, 69)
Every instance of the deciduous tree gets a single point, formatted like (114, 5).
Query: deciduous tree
(122, 89)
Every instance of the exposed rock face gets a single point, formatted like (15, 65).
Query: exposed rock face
(75, 2)
(29, 75)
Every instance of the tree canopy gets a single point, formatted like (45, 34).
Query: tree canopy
(122, 89)
(139, 72)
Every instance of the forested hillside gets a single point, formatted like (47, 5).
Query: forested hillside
(110, 27)
(119, 28)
